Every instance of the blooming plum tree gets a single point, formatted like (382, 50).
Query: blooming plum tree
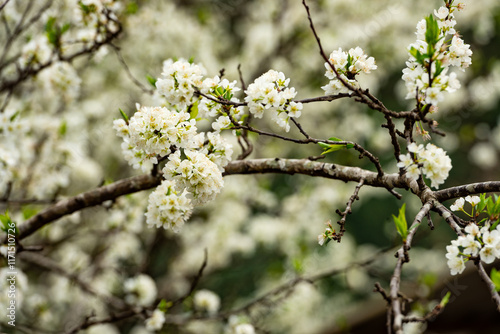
(211, 248)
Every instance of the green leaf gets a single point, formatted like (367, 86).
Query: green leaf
(151, 80)
(496, 209)
(401, 224)
(63, 128)
(349, 61)
(417, 55)
(65, 28)
(5, 219)
(53, 32)
(482, 203)
(218, 91)
(439, 68)
(445, 299)
(494, 226)
(164, 305)
(131, 8)
(86, 9)
(8, 223)
(327, 148)
(29, 211)
(14, 116)
(49, 26)
(297, 265)
(193, 110)
(432, 31)
(495, 278)
(124, 115)
(490, 206)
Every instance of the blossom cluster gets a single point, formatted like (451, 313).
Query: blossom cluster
(431, 161)
(270, 91)
(36, 52)
(219, 89)
(196, 160)
(152, 131)
(178, 82)
(97, 17)
(348, 65)
(477, 241)
(168, 207)
(196, 173)
(426, 75)
(92, 22)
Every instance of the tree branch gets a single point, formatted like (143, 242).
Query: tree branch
(258, 166)
(396, 305)
(491, 286)
(467, 189)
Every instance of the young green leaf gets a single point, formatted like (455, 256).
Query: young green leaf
(495, 278)
(445, 299)
(432, 31)
(164, 305)
(124, 115)
(482, 203)
(193, 110)
(401, 224)
(490, 206)
(8, 223)
(151, 80)
(327, 148)
(63, 128)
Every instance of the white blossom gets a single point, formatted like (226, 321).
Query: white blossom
(35, 53)
(488, 254)
(458, 205)
(206, 301)
(348, 65)
(436, 164)
(470, 244)
(156, 321)
(140, 290)
(168, 207)
(179, 81)
(270, 92)
(244, 329)
(197, 174)
(473, 200)
(152, 131)
(456, 265)
(428, 83)
(472, 229)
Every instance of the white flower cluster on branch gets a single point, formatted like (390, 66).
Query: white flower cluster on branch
(426, 76)
(480, 239)
(196, 160)
(348, 65)
(270, 91)
(431, 161)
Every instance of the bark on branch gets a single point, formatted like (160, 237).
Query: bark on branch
(257, 166)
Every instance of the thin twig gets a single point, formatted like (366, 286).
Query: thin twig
(195, 281)
(396, 308)
(127, 70)
(348, 210)
(491, 286)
